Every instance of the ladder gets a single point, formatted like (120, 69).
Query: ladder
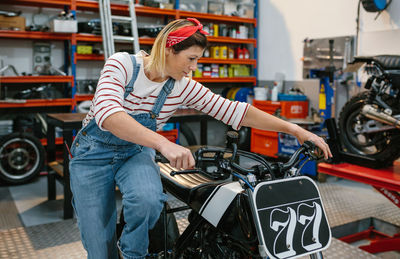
(106, 19)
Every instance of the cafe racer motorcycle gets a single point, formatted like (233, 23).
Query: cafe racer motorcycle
(242, 207)
(369, 123)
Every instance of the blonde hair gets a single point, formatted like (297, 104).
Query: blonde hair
(157, 55)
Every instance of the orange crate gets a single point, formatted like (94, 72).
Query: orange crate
(264, 142)
(171, 135)
(267, 106)
(294, 109)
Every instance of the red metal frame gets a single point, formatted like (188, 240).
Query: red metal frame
(387, 182)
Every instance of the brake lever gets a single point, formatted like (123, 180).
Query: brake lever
(188, 171)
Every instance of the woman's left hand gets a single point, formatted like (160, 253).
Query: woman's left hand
(304, 135)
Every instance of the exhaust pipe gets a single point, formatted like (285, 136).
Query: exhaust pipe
(374, 114)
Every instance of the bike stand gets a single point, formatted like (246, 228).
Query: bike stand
(341, 156)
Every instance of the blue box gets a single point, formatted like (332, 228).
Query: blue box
(292, 97)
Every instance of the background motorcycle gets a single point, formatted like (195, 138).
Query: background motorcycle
(369, 122)
(222, 224)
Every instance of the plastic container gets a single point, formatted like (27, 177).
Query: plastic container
(294, 109)
(223, 52)
(171, 135)
(274, 93)
(260, 93)
(215, 52)
(264, 142)
(267, 106)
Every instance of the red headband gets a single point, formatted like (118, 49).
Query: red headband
(185, 32)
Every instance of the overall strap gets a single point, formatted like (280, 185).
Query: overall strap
(162, 96)
(136, 69)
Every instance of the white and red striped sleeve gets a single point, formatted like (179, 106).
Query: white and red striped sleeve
(109, 96)
(198, 97)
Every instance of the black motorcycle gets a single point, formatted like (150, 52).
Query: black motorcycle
(242, 206)
(369, 122)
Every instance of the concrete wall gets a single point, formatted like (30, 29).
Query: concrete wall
(284, 24)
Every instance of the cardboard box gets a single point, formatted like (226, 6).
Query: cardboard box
(67, 26)
(12, 23)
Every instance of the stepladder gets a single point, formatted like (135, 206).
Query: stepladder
(108, 22)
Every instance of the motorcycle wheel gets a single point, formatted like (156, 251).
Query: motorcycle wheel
(381, 146)
(21, 158)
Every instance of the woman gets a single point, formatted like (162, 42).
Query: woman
(116, 146)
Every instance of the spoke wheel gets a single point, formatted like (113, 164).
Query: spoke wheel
(21, 158)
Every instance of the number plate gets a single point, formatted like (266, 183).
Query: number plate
(290, 217)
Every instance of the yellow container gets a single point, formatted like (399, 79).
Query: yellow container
(223, 52)
(215, 50)
(84, 49)
(215, 30)
(231, 53)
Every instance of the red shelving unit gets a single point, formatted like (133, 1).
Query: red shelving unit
(83, 97)
(214, 17)
(48, 3)
(34, 35)
(228, 61)
(250, 79)
(92, 5)
(59, 141)
(35, 103)
(37, 79)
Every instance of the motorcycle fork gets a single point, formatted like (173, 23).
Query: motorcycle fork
(261, 245)
(183, 241)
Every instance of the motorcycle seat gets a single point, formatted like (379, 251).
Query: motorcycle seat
(387, 62)
(185, 186)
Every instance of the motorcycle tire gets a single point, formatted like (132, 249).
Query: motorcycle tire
(21, 158)
(380, 146)
(187, 132)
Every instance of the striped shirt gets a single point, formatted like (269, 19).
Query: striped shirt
(117, 73)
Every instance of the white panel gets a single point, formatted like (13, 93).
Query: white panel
(284, 24)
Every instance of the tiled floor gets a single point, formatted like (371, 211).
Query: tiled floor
(32, 227)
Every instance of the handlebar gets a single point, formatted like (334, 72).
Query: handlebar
(229, 166)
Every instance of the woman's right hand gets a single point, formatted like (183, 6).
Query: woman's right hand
(178, 156)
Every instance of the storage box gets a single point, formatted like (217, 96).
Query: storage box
(193, 5)
(171, 135)
(264, 142)
(84, 49)
(294, 109)
(12, 23)
(66, 26)
(215, 7)
(267, 106)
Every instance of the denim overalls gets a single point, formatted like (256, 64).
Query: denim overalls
(101, 161)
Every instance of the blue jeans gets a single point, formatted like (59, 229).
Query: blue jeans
(96, 168)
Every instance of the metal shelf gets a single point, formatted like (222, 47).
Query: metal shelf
(34, 35)
(88, 5)
(37, 79)
(47, 3)
(228, 61)
(249, 79)
(216, 17)
(83, 97)
(97, 38)
(35, 103)
(59, 141)
(89, 57)
(230, 40)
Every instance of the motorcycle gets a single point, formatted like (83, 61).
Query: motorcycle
(369, 122)
(242, 206)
